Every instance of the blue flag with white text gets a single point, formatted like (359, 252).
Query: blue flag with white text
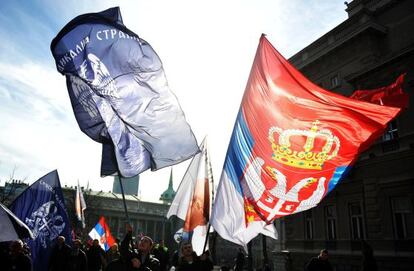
(120, 95)
(42, 208)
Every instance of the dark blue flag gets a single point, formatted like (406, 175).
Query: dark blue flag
(41, 206)
(120, 95)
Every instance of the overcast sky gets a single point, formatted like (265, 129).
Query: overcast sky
(207, 48)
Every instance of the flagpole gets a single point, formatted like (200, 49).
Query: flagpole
(210, 177)
(123, 199)
(206, 241)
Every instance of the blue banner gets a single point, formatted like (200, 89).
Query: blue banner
(41, 206)
(120, 95)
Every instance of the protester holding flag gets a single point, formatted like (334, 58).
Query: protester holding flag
(139, 257)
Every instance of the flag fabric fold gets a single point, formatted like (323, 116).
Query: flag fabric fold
(392, 95)
(102, 233)
(11, 227)
(193, 199)
(80, 205)
(42, 207)
(120, 95)
(291, 144)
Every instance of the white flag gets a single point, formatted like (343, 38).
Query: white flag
(192, 203)
(80, 205)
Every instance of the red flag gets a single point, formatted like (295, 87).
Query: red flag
(304, 136)
(391, 95)
(291, 144)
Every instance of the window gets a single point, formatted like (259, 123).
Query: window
(391, 132)
(335, 81)
(357, 222)
(330, 215)
(401, 212)
(308, 225)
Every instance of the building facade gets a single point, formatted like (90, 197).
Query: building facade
(374, 204)
(129, 185)
(145, 217)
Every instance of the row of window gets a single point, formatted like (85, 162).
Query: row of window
(402, 216)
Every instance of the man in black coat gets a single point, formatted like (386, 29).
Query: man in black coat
(18, 259)
(59, 255)
(191, 262)
(77, 260)
(320, 263)
(96, 257)
(139, 257)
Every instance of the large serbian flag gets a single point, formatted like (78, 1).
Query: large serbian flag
(291, 144)
(102, 233)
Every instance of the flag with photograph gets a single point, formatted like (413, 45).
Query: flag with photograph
(291, 144)
(80, 206)
(42, 207)
(120, 95)
(193, 199)
(102, 233)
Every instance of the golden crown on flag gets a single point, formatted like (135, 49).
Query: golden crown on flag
(305, 157)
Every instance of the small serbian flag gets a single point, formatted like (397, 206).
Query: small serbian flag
(102, 233)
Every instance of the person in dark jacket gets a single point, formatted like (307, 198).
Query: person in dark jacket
(160, 252)
(59, 255)
(18, 260)
(368, 260)
(239, 261)
(139, 257)
(189, 261)
(112, 254)
(96, 257)
(320, 263)
(77, 260)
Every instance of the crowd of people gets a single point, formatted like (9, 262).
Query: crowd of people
(141, 255)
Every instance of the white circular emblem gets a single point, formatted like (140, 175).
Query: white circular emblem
(45, 223)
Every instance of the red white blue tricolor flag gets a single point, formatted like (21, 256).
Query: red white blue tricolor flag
(102, 233)
(291, 144)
